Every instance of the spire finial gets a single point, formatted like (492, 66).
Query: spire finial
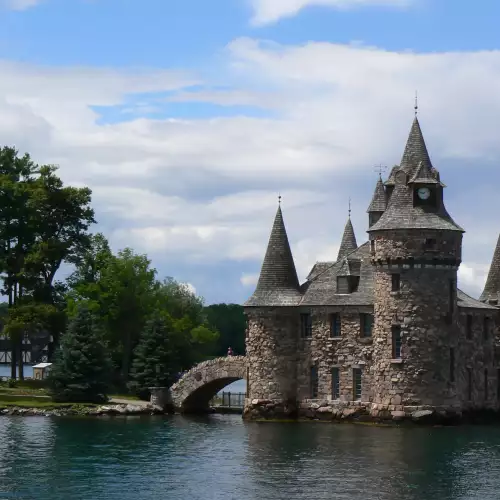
(416, 103)
(349, 207)
(279, 199)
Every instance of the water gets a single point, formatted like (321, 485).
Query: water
(220, 457)
(5, 371)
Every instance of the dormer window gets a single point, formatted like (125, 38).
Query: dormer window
(347, 284)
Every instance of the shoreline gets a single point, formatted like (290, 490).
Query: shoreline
(84, 410)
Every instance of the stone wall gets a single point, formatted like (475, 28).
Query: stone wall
(428, 330)
(346, 352)
(425, 310)
(399, 244)
(477, 354)
(271, 352)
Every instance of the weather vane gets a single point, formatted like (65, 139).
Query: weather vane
(349, 207)
(279, 199)
(416, 103)
(380, 168)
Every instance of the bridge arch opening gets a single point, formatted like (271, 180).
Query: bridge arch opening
(194, 391)
(198, 401)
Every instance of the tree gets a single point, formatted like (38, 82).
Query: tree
(82, 365)
(42, 224)
(121, 290)
(157, 357)
(229, 320)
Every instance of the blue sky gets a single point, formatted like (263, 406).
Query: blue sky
(188, 118)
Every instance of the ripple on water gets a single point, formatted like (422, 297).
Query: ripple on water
(220, 457)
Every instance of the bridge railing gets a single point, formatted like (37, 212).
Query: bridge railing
(229, 399)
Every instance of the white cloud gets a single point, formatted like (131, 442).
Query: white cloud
(269, 11)
(204, 190)
(190, 288)
(249, 279)
(19, 4)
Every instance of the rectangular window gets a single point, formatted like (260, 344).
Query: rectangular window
(451, 294)
(335, 383)
(314, 382)
(396, 282)
(469, 384)
(366, 324)
(486, 328)
(356, 383)
(335, 325)
(305, 325)
(396, 342)
(452, 365)
(468, 332)
(486, 385)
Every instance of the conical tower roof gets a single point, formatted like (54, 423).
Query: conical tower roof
(349, 243)
(491, 290)
(415, 152)
(278, 284)
(416, 166)
(379, 200)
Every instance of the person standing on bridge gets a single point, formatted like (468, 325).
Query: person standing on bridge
(230, 351)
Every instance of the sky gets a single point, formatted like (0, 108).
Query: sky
(188, 118)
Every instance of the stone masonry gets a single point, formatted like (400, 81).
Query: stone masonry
(382, 333)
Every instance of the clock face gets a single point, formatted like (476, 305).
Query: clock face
(424, 193)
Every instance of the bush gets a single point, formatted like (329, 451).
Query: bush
(81, 370)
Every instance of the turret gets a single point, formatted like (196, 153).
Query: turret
(378, 204)
(271, 338)
(348, 243)
(491, 292)
(416, 251)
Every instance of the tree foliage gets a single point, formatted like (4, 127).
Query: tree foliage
(158, 356)
(82, 367)
(45, 224)
(42, 224)
(229, 320)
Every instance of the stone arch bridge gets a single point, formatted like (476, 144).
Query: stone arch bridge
(194, 390)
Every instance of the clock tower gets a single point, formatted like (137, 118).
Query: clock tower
(416, 251)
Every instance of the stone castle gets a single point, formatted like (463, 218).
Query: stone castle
(382, 333)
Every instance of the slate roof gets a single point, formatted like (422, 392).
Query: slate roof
(321, 287)
(278, 284)
(415, 151)
(379, 200)
(467, 302)
(492, 287)
(415, 166)
(348, 243)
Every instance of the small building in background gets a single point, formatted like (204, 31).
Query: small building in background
(41, 370)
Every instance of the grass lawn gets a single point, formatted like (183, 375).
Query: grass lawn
(124, 396)
(26, 402)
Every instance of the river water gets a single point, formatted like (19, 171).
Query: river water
(220, 457)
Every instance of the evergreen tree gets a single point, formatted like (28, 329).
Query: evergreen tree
(82, 367)
(157, 359)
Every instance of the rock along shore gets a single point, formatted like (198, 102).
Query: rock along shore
(81, 410)
(265, 409)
